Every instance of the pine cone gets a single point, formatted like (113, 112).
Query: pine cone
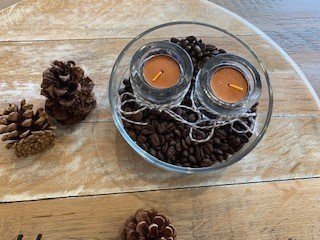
(27, 133)
(148, 225)
(69, 93)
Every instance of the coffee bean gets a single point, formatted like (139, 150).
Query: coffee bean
(121, 91)
(185, 134)
(248, 134)
(186, 164)
(155, 140)
(185, 153)
(162, 139)
(230, 150)
(184, 159)
(206, 162)
(171, 151)
(174, 40)
(244, 138)
(234, 142)
(178, 147)
(197, 49)
(128, 89)
(127, 125)
(161, 127)
(188, 140)
(138, 117)
(184, 42)
(210, 47)
(208, 148)
(215, 52)
(127, 82)
(203, 48)
(148, 129)
(160, 155)
(191, 150)
(216, 141)
(144, 146)
(188, 47)
(178, 133)
(191, 38)
(213, 157)
(170, 127)
(217, 151)
(224, 147)
(220, 158)
(183, 143)
(199, 56)
(220, 134)
(152, 152)
(132, 134)
(192, 118)
(154, 112)
(192, 159)
(236, 149)
(165, 147)
(231, 136)
(141, 139)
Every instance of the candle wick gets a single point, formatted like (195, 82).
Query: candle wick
(157, 76)
(235, 87)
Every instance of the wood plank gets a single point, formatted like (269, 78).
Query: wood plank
(30, 59)
(92, 158)
(268, 211)
(46, 20)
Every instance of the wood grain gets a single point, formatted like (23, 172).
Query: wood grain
(266, 211)
(93, 159)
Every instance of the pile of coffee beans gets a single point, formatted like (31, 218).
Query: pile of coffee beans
(168, 139)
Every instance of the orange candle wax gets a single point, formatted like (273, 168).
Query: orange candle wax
(161, 71)
(229, 85)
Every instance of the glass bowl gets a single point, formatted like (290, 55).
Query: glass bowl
(210, 35)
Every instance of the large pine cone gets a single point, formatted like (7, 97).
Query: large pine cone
(69, 93)
(25, 131)
(148, 225)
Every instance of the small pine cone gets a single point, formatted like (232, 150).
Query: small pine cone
(25, 131)
(148, 225)
(69, 93)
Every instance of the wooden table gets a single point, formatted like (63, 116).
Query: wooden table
(91, 181)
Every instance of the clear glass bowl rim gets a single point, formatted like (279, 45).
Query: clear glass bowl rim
(167, 166)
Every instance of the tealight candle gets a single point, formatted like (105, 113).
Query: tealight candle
(161, 71)
(227, 85)
(161, 74)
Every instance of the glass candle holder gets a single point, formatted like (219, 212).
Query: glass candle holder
(165, 57)
(232, 94)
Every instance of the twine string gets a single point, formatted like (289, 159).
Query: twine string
(203, 122)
